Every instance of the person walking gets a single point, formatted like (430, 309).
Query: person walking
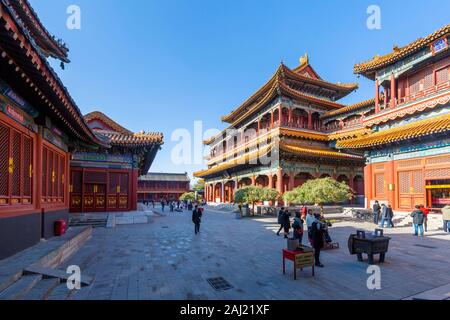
(317, 234)
(309, 221)
(197, 219)
(426, 212)
(390, 216)
(172, 206)
(304, 212)
(163, 204)
(446, 218)
(384, 211)
(286, 223)
(298, 227)
(418, 219)
(280, 220)
(376, 212)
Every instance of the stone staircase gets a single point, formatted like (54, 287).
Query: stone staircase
(92, 220)
(33, 274)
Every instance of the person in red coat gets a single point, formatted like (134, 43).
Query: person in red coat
(426, 212)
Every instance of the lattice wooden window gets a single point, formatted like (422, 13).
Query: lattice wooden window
(379, 184)
(428, 78)
(404, 180)
(113, 183)
(124, 183)
(410, 163)
(28, 167)
(438, 160)
(443, 173)
(16, 160)
(442, 76)
(411, 182)
(415, 83)
(4, 162)
(418, 182)
(53, 169)
(16, 163)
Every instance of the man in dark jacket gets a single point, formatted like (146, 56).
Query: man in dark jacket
(418, 219)
(286, 223)
(280, 220)
(317, 234)
(376, 212)
(197, 219)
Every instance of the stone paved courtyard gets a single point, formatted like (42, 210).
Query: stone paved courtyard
(165, 260)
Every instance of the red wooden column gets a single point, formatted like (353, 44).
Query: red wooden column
(310, 124)
(393, 103)
(390, 181)
(280, 181)
(280, 115)
(377, 96)
(37, 170)
(290, 116)
(351, 185)
(259, 125)
(291, 180)
(134, 185)
(272, 119)
(368, 184)
(253, 181)
(270, 180)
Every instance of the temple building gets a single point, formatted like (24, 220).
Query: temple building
(106, 179)
(284, 135)
(406, 140)
(44, 138)
(162, 186)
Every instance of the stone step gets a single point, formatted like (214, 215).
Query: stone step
(42, 290)
(20, 288)
(61, 292)
(55, 273)
(439, 293)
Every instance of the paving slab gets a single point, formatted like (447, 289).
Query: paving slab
(166, 260)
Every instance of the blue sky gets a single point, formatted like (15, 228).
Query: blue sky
(161, 65)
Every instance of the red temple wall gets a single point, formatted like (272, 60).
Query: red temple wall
(27, 210)
(403, 183)
(103, 190)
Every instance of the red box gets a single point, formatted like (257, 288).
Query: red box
(60, 227)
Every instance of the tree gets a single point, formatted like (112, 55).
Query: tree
(251, 195)
(199, 185)
(320, 191)
(189, 196)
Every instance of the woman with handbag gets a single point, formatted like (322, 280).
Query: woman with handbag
(298, 227)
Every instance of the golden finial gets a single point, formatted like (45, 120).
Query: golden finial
(304, 59)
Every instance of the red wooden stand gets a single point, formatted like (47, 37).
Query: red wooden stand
(301, 259)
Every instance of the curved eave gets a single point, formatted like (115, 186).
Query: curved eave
(315, 152)
(42, 36)
(350, 108)
(368, 68)
(413, 130)
(239, 161)
(29, 67)
(304, 134)
(280, 75)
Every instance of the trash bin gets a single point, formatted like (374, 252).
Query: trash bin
(60, 227)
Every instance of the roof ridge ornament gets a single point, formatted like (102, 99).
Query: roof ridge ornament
(304, 59)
